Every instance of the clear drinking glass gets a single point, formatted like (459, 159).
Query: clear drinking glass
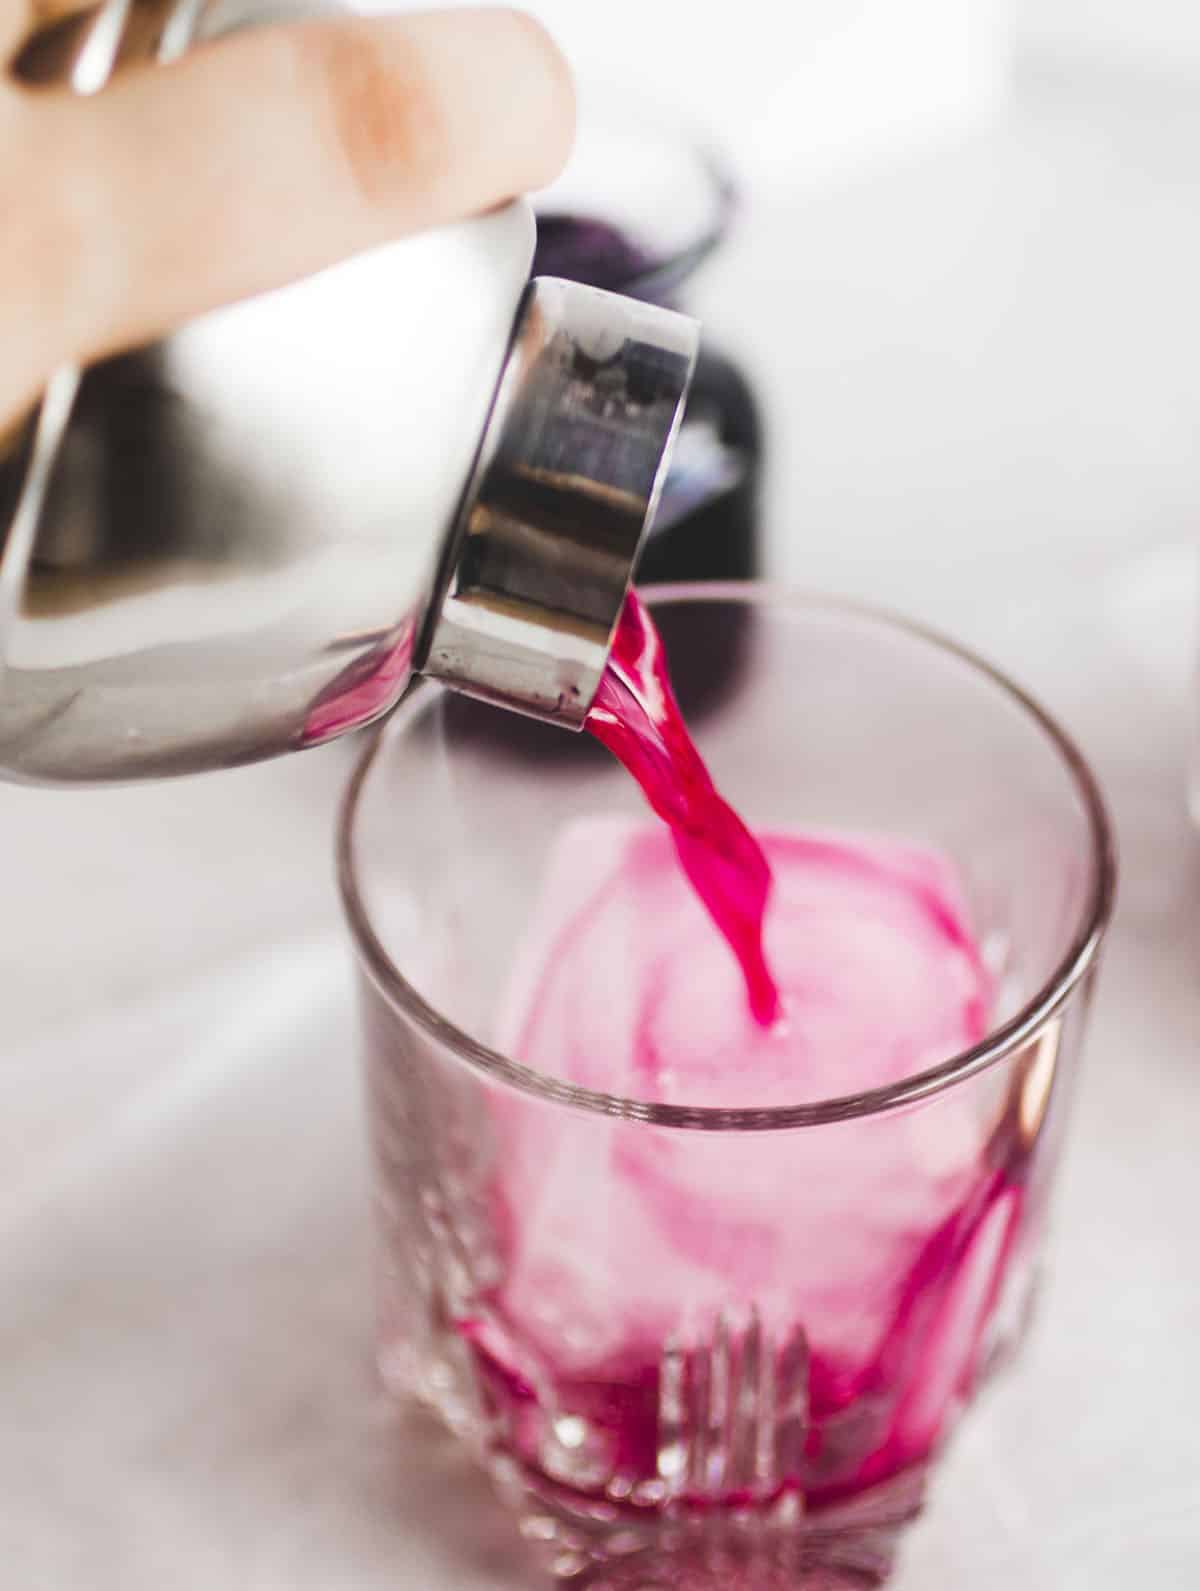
(765, 1411)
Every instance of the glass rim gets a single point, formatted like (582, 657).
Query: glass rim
(1020, 1030)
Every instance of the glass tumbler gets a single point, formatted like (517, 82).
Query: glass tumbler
(695, 1343)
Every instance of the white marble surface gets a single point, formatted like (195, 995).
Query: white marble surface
(981, 372)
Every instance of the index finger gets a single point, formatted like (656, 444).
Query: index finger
(275, 152)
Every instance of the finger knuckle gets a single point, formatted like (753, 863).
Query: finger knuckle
(384, 123)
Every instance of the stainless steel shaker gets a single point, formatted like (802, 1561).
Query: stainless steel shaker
(245, 539)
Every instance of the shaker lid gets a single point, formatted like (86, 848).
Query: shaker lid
(564, 488)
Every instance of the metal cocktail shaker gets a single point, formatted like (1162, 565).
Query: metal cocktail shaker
(246, 538)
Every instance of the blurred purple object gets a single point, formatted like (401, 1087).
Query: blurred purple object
(642, 258)
(590, 251)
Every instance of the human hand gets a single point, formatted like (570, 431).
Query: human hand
(253, 161)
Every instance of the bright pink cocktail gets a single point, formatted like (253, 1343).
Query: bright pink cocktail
(721, 1223)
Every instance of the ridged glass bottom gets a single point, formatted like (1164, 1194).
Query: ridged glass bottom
(717, 1518)
(759, 1548)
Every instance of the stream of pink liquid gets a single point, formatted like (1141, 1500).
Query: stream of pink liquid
(636, 716)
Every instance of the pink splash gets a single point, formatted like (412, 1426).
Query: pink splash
(636, 716)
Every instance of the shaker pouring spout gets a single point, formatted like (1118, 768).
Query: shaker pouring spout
(564, 489)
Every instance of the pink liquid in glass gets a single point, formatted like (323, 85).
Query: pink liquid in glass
(659, 1288)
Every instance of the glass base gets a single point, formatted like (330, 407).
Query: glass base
(770, 1548)
(606, 1546)
(620, 1541)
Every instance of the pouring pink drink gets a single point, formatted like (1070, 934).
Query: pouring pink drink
(713, 1158)
(837, 965)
